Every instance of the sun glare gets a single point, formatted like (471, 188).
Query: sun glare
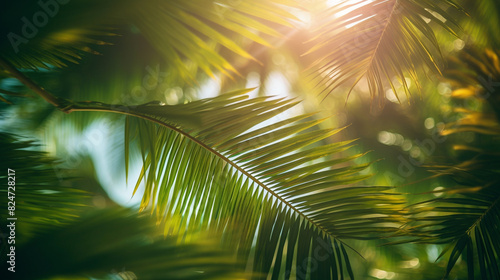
(351, 6)
(331, 3)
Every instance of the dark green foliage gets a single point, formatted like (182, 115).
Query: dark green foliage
(43, 199)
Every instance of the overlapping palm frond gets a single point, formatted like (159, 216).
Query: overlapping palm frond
(467, 216)
(44, 34)
(380, 40)
(116, 244)
(54, 242)
(180, 30)
(40, 198)
(483, 25)
(273, 186)
(475, 75)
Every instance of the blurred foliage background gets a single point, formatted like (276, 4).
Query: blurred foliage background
(424, 103)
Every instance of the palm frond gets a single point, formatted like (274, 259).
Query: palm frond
(116, 244)
(475, 75)
(53, 34)
(40, 197)
(380, 41)
(468, 216)
(187, 33)
(483, 23)
(194, 29)
(272, 184)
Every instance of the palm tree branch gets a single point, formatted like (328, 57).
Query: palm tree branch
(381, 38)
(375, 40)
(213, 123)
(50, 98)
(93, 106)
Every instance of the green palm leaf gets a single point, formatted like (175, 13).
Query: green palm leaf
(116, 244)
(179, 30)
(483, 23)
(379, 40)
(468, 217)
(189, 29)
(271, 184)
(72, 247)
(475, 75)
(52, 34)
(42, 200)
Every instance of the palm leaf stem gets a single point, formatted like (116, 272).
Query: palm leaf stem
(54, 100)
(68, 106)
(376, 47)
(101, 107)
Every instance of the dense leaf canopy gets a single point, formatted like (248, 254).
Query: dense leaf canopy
(263, 139)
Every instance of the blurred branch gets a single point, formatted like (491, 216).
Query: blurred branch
(69, 106)
(5, 100)
(7, 92)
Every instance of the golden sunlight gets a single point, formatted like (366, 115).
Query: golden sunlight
(350, 5)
